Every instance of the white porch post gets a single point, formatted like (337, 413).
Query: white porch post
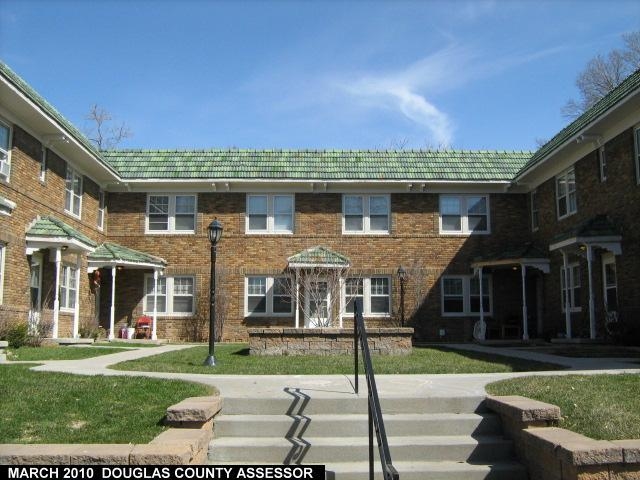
(592, 314)
(76, 310)
(112, 311)
(56, 294)
(525, 319)
(297, 300)
(154, 335)
(567, 298)
(481, 293)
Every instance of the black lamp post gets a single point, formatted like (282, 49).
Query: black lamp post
(402, 275)
(215, 232)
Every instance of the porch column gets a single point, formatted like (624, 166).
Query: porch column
(567, 298)
(154, 335)
(297, 300)
(481, 300)
(76, 310)
(112, 311)
(56, 294)
(592, 314)
(525, 319)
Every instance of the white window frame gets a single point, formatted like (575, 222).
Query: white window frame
(602, 163)
(169, 295)
(636, 156)
(464, 214)
(271, 214)
(3, 249)
(609, 258)
(68, 288)
(269, 282)
(564, 176)
(366, 296)
(366, 214)
(5, 156)
(43, 164)
(101, 208)
(466, 295)
(171, 214)
(70, 196)
(573, 286)
(535, 211)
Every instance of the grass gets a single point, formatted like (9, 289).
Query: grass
(116, 343)
(58, 353)
(234, 359)
(43, 407)
(604, 407)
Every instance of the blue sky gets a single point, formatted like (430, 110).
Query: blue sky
(322, 74)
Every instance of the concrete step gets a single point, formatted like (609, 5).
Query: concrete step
(454, 448)
(337, 425)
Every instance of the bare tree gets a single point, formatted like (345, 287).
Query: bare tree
(603, 73)
(196, 327)
(102, 132)
(417, 287)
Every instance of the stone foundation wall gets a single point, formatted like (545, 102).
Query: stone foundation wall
(326, 341)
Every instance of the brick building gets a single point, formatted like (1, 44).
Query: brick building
(527, 244)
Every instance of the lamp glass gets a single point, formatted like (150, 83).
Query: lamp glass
(214, 231)
(402, 273)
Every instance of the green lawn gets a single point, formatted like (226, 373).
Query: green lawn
(116, 343)
(235, 359)
(43, 407)
(58, 353)
(604, 407)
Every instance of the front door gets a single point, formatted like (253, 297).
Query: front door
(35, 289)
(317, 307)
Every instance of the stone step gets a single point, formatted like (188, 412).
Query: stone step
(455, 448)
(336, 425)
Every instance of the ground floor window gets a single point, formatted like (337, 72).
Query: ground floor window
(374, 294)
(2, 250)
(460, 295)
(175, 295)
(572, 287)
(68, 287)
(268, 296)
(610, 282)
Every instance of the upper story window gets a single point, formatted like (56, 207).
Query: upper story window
(269, 214)
(43, 164)
(636, 137)
(268, 296)
(68, 287)
(572, 288)
(5, 151)
(566, 193)
(365, 214)
(602, 164)
(374, 294)
(73, 192)
(461, 295)
(175, 295)
(101, 209)
(171, 213)
(464, 214)
(535, 211)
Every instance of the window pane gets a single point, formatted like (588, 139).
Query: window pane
(612, 299)
(183, 286)
(257, 304)
(477, 205)
(562, 206)
(281, 304)
(610, 274)
(76, 206)
(281, 286)
(185, 204)
(77, 184)
(451, 223)
(453, 305)
(449, 206)
(452, 286)
(379, 223)
(282, 205)
(182, 304)
(573, 206)
(258, 204)
(4, 137)
(257, 222)
(353, 205)
(477, 223)
(378, 206)
(571, 180)
(257, 285)
(162, 304)
(379, 304)
(283, 223)
(561, 186)
(158, 204)
(379, 286)
(353, 286)
(185, 222)
(353, 223)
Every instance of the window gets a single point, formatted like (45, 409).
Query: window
(573, 288)
(175, 295)
(3, 248)
(365, 214)
(464, 214)
(268, 296)
(43, 164)
(610, 282)
(269, 214)
(461, 295)
(636, 136)
(68, 287)
(5, 151)
(374, 294)
(171, 213)
(566, 193)
(535, 212)
(101, 209)
(602, 164)
(73, 192)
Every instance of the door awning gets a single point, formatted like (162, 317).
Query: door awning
(527, 255)
(50, 232)
(598, 231)
(318, 257)
(112, 254)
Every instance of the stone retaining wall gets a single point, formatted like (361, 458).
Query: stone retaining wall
(326, 341)
(552, 453)
(186, 442)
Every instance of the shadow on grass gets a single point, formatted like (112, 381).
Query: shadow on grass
(244, 352)
(517, 364)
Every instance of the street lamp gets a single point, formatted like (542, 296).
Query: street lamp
(402, 275)
(215, 232)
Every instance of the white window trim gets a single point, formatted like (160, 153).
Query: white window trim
(636, 144)
(566, 195)
(43, 165)
(466, 296)
(366, 218)
(7, 161)
(3, 250)
(269, 298)
(66, 288)
(602, 163)
(608, 258)
(534, 194)
(464, 215)
(270, 215)
(74, 173)
(572, 288)
(169, 295)
(101, 209)
(171, 225)
(366, 297)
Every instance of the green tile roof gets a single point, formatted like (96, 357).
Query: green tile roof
(112, 252)
(390, 165)
(320, 256)
(52, 227)
(521, 252)
(598, 226)
(610, 100)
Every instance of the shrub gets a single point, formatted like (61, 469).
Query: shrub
(17, 334)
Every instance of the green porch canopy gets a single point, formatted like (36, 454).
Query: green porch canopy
(318, 257)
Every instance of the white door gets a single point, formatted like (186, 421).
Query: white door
(317, 307)
(35, 292)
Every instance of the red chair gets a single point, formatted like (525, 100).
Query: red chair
(143, 327)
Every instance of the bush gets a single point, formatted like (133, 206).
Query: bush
(17, 334)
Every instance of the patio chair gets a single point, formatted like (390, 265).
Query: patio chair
(143, 328)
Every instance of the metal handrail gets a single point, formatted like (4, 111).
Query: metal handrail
(375, 413)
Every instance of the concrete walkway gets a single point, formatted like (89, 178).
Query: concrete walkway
(257, 386)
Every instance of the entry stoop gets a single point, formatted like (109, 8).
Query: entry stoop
(435, 438)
